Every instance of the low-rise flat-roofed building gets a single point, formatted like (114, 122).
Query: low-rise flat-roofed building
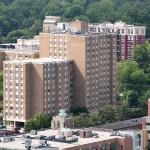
(121, 140)
(23, 44)
(36, 86)
(28, 44)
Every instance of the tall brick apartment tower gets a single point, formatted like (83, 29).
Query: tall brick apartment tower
(94, 63)
(128, 36)
(35, 86)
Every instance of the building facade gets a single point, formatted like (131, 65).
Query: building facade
(146, 124)
(35, 86)
(66, 139)
(94, 64)
(16, 55)
(75, 69)
(28, 44)
(22, 50)
(123, 140)
(50, 22)
(62, 120)
(128, 36)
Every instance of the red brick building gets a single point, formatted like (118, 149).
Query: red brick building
(128, 36)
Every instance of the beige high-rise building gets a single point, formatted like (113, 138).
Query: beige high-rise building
(36, 86)
(94, 65)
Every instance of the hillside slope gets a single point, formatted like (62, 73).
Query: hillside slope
(24, 17)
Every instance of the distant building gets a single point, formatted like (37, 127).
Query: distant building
(23, 44)
(53, 24)
(128, 36)
(28, 44)
(22, 50)
(50, 22)
(79, 26)
(63, 26)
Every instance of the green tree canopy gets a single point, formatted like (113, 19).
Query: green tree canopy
(142, 56)
(23, 14)
(134, 79)
(38, 122)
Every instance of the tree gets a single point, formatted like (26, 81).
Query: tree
(108, 114)
(38, 122)
(133, 99)
(125, 70)
(83, 120)
(144, 102)
(126, 73)
(78, 110)
(142, 56)
(15, 34)
(134, 79)
(36, 28)
(6, 1)
(21, 14)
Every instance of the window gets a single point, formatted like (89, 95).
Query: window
(128, 31)
(138, 140)
(103, 147)
(11, 108)
(113, 146)
(58, 124)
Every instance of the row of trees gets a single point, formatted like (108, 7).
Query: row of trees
(24, 18)
(84, 118)
(108, 114)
